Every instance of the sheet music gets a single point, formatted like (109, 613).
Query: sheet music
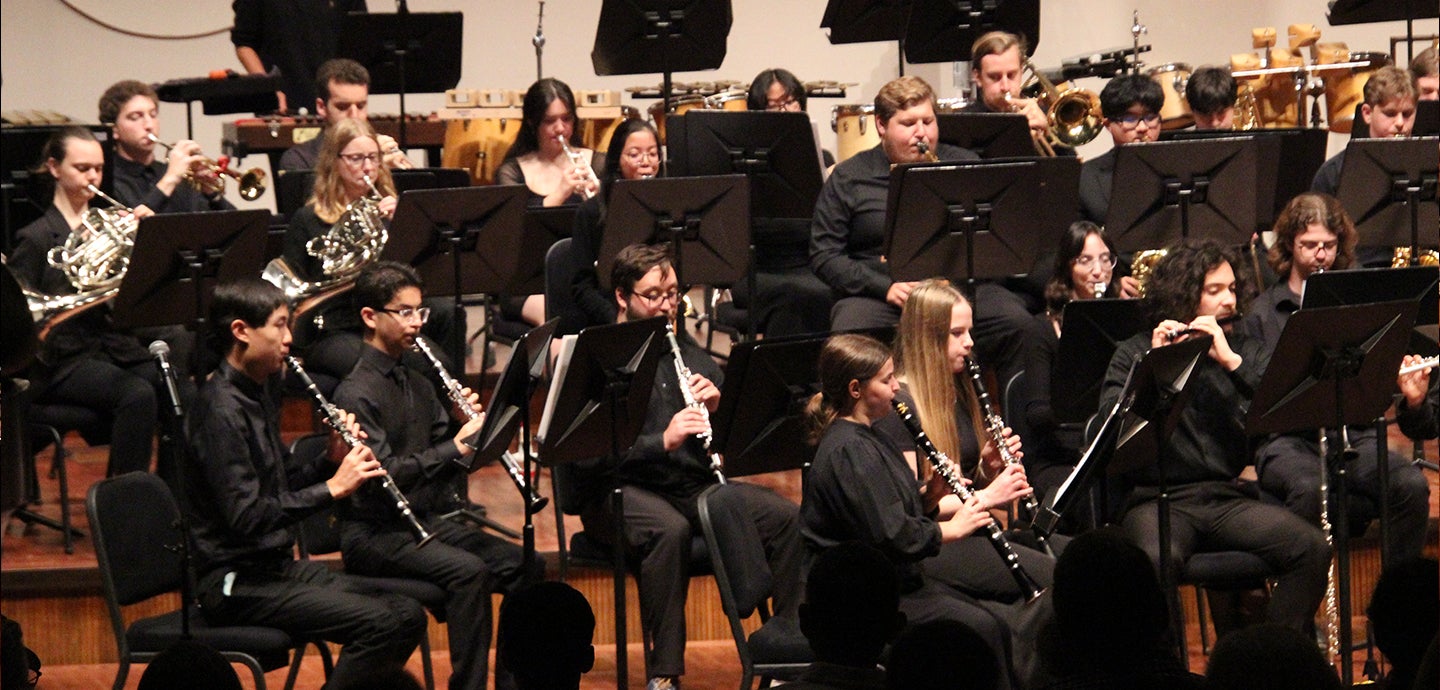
(557, 381)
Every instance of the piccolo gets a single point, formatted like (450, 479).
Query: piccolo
(1422, 365)
(1175, 334)
(995, 426)
(682, 373)
(456, 392)
(336, 420)
(947, 470)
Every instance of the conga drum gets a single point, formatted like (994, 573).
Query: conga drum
(1172, 78)
(478, 145)
(1345, 88)
(683, 104)
(596, 128)
(854, 127)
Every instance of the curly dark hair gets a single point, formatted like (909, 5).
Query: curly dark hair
(1302, 212)
(1176, 282)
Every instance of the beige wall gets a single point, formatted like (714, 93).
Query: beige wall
(54, 59)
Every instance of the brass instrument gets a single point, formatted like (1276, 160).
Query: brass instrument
(947, 471)
(94, 259)
(925, 151)
(208, 177)
(1247, 113)
(577, 159)
(682, 373)
(352, 243)
(1074, 113)
(533, 500)
(336, 421)
(1143, 265)
(1402, 257)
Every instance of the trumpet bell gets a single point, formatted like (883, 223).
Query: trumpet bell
(251, 184)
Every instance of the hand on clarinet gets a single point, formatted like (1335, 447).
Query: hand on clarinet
(469, 429)
(970, 517)
(358, 466)
(705, 391)
(338, 448)
(990, 456)
(476, 409)
(1008, 486)
(685, 424)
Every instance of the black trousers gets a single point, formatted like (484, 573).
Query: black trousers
(937, 601)
(378, 630)
(468, 563)
(1289, 469)
(124, 397)
(972, 566)
(659, 535)
(1221, 516)
(787, 301)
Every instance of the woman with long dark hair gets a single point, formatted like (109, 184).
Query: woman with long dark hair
(538, 158)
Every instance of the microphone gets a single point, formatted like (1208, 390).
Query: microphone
(160, 350)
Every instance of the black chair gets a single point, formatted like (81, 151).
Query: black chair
(777, 649)
(47, 425)
(1219, 570)
(139, 540)
(320, 534)
(560, 270)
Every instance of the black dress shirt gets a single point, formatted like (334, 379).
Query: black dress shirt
(847, 233)
(244, 493)
(1096, 178)
(1327, 178)
(1423, 420)
(295, 35)
(302, 156)
(135, 185)
(685, 471)
(408, 429)
(891, 427)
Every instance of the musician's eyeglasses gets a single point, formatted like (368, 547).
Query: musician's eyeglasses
(789, 105)
(1131, 120)
(655, 299)
(1086, 260)
(636, 155)
(359, 159)
(409, 313)
(1310, 247)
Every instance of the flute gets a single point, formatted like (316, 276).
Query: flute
(1427, 363)
(336, 420)
(995, 426)
(946, 469)
(533, 500)
(682, 372)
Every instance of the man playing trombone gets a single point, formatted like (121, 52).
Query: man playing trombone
(132, 109)
(997, 66)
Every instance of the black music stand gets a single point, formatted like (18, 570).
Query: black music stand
(598, 399)
(1093, 329)
(992, 135)
(1367, 11)
(706, 221)
(668, 36)
(1388, 187)
(1330, 364)
(866, 21)
(1427, 119)
(966, 221)
(543, 228)
(236, 93)
(777, 151)
(17, 350)
(1420, 284)
(461, 241)
(404, 52)
(1286, 160)
(293, 187)
(944, 30)
(760, 426)
(1180, 189)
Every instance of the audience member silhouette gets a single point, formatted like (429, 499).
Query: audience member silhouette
(1111, 624)
(189, 664)
(939, 655)
(1404, 615)
(1269, 656)
(851, 611)
(545, 634)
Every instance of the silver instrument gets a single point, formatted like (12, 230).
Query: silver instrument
(1422, 365)
(995, 427)
(352, 243)
(94, 259)
(951, 474)
(577, 159)
(455, 391)
(683, 373)
(1100, 288)
(337, 422)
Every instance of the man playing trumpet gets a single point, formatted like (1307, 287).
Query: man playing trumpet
(132, 109)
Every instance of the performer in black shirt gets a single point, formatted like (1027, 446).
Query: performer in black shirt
(244, 496)
(1131, 104)
(997, 66)
(1388, 111)
(664, 473)
(343, 86)
(1314, 233)
(296, 36)
(132, 109)
(1418, 412)
(861, 489)
(1211, 93)
(1191, 289)
(409, 431)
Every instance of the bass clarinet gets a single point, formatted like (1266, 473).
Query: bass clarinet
(995, 426)
(682, 373)
(947, 471)
(337, 422)
(533, 501)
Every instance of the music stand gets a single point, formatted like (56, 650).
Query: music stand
(1388, 187)
(1329, 364)
(777, 151)
(1093, 329)
(1420, 284)
(968, 220)
(1172, 190)
(944, 30)
(405, 52)
(237, 93)
(461, 241)
(17, 350)
(293, 187)
(760, 425)
(1427, 119)
(865, 21)
(706, 221)
(543, 227)
(992, 135)
(1286, 160)
(645, 36)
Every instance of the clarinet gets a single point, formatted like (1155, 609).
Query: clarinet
(533, 501)
(682, 372)
(948, 472)
(995, 427)
(337, 422)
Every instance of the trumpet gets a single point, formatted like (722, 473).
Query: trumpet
(577, 159)
(336, 421)
(533, 501)
(208, 176)
(946, 469)
(682, 373)
(1422, 365)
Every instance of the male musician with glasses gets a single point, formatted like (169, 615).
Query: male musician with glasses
(244, 495)
(132, 109)
(1131, 105)
(343, 88)
(1192, 292)
(663, 475)
(410, 432)
(1314, 233)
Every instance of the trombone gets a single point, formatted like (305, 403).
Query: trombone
(1073, 113)
(208, 177)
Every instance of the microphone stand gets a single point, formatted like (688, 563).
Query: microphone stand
(171, 438)
(539, 42)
